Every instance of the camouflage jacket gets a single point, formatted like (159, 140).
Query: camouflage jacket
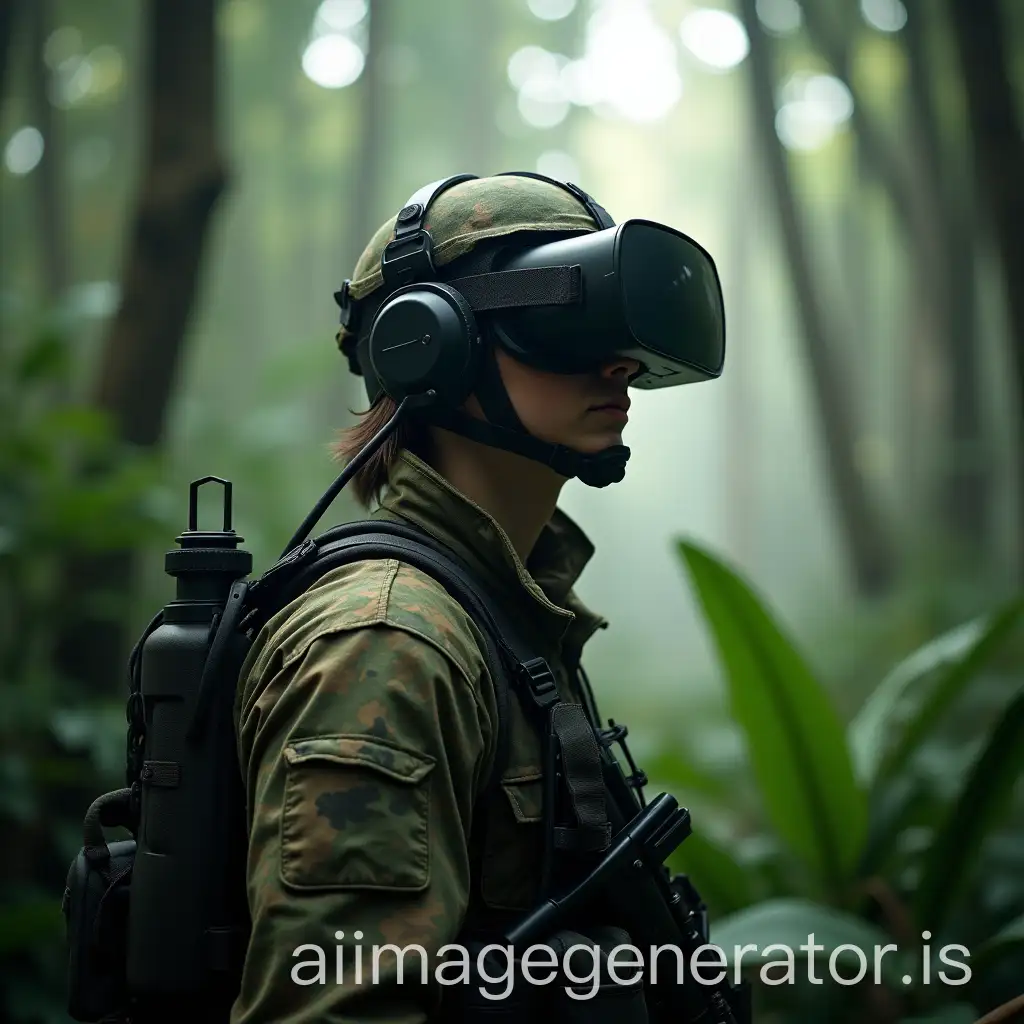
(367, 730)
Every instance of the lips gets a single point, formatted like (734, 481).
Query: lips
(622, 404)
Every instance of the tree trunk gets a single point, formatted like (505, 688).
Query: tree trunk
(966, 477)
(998, 152)
(879, 153)
(183, 175)
(51, 190)
(929, 209)
(7, 29)
(9, 14)
(868, 547)
(366, 213)
(741, 441)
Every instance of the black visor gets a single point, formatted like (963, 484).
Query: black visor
(647, 292)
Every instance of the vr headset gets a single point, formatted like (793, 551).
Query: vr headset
(638, 289)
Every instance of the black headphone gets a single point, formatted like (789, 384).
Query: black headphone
(424, 336)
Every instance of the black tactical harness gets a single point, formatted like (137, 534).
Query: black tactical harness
(100, 878)
(158, 925)
(510, 661)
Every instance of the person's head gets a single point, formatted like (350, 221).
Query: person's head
(472, 225)
(512, 311)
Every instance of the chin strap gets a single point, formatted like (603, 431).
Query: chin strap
(599, 470)
(503, 429)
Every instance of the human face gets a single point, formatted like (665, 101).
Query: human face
(583, 411)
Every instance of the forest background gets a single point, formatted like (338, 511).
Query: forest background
(812, 568)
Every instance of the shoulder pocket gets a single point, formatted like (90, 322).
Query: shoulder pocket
(355, 814)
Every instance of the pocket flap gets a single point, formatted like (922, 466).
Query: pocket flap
(526, 795)
(399, 763)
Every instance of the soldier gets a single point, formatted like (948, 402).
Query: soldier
(366, 715)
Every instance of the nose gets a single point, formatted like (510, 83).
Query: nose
(619, 365)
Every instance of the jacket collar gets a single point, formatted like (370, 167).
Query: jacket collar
(540, 592)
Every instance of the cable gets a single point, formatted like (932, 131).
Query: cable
(347, 473)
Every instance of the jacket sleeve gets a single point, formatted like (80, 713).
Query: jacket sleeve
(362, 760)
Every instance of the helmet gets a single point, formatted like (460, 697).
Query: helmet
(466, 214)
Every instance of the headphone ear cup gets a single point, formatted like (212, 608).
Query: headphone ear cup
(425, 337)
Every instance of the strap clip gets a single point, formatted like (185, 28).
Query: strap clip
(263, 588)
(539, 680)
(407, 259)
(295, 559)
(344, 300)
(161, 773)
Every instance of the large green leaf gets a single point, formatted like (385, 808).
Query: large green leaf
(901, 803)
(1009, 939)
(881, 750)
(684, 777)
(794, 736)
(795, 923)
(982, 800)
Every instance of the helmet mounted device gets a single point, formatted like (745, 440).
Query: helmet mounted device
(638, 290)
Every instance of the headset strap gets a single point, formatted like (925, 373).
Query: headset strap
(530, 286)
(497, 289)
(409, 256)
(601, 216)
(412, 216)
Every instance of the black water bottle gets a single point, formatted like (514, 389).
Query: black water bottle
(187, 906)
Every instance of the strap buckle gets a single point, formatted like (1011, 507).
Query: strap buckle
(408, 258)
(344, 300)
(536, 675)
(295, 558)
(265, 585)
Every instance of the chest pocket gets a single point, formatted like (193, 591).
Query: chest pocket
(513, 850)
(514, 836)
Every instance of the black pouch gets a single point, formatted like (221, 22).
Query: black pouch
(541, 994)
(600, 998)
(95, 908)
(485, 1001)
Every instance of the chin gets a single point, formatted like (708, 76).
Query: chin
(594, 443)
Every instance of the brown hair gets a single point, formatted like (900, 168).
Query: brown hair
(371, 479)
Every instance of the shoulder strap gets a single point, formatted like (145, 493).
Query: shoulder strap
(369, 539)
(571, 746)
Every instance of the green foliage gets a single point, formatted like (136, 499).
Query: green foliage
(905, 692)
(794, 735)
(792, 923)
(869, 856)
(68, 490)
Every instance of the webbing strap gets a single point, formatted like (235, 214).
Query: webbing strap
(508, 656)
(529, 286)
(581, 761)
(354, 542)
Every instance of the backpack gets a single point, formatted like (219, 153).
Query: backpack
(159, 923)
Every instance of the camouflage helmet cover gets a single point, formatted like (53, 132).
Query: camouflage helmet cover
(470, 212)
